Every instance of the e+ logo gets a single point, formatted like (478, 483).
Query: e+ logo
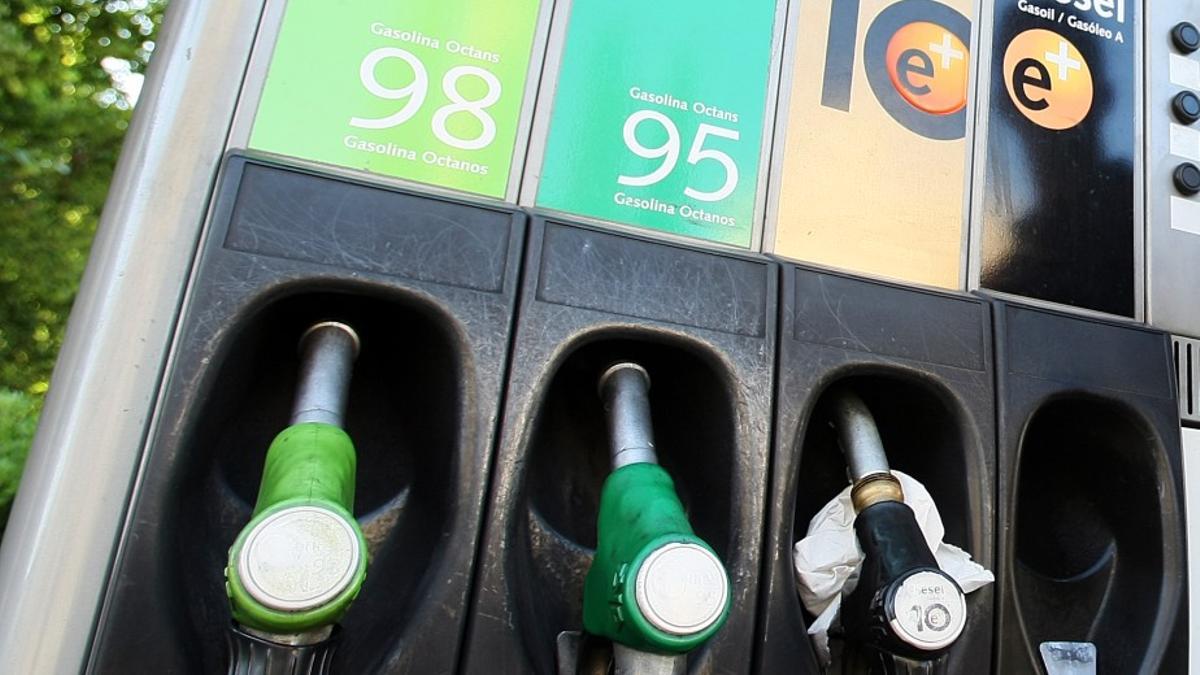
(915, 54)
(927, 64)
(1048, 79)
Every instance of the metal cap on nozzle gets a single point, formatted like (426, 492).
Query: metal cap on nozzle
(625, 388)
(299, 559)
(681, 589)
(927, 610)
(327, 352)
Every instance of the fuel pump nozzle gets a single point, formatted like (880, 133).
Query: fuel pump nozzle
(903, 605)
(655, 589)
(298, 564)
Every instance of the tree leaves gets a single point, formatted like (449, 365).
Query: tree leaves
(18, 419)
(61, 126)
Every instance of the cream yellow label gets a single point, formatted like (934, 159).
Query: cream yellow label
(873, 175)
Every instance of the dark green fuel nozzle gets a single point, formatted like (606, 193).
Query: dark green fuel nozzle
(653, 585)
(298, 564)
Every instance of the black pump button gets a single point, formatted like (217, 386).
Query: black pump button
(1186, 37)
(1187, 178)
(1186, 106)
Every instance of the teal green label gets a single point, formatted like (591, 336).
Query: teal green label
(426, 90)
(658, 115)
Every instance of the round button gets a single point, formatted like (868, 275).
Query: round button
(681, 589)
(299, 559)
(1186, 37)
(1187, 178)
(928, 611)
(1186, 106)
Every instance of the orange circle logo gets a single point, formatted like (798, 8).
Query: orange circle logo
(1048, 79)
(928, 66)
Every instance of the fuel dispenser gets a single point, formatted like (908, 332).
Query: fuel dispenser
(562, 521)
(1089, 457)
(1091, 545)
(588, 430)
(904, 606)
(1172, 152)
(298, 564)
(428, 285)
(654, 589)
(874, 376)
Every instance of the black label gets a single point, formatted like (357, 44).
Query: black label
(1058, 217)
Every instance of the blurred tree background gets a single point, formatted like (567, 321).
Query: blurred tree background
(69, 76)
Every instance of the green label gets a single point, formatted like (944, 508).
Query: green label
(426, 90)
(658, 115)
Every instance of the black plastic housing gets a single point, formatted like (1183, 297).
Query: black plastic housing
(922, 362)
(893, 548)
(1091, 523)
(430, 286)
(703, 325)
(252, 655)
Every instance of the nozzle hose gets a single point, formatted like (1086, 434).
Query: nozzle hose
(253, 654)
(625, 388)
(328, 350)
(629, 661)
(858, 437)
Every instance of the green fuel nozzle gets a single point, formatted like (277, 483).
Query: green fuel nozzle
(654, 586)
(298, 564)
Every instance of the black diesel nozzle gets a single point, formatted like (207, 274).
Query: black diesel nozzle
(903, 605)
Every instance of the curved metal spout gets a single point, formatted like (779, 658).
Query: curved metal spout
(625, 390)
(327, 350)
(858, 436)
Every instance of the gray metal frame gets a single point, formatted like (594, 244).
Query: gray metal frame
(1187, 378)
(1191, 474)
(783, 101)
(976, 122)
(1172, 254)
(67, 518)
(978, 119)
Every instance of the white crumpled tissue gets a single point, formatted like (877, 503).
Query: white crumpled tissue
(827, 559)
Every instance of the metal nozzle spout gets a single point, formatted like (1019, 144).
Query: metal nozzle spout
(625, 388)
(328, 350)
(860, 442)
(858, 437)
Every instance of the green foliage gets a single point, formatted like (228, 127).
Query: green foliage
(61, 125)
(18, 419)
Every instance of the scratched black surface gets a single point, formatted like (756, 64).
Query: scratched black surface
(1058, 220)
(280, 213)
(835, 311)
(922, 363)
(596, 270)
(430, 285)
(1099, 355)
(1090, 517)
(702, 324)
